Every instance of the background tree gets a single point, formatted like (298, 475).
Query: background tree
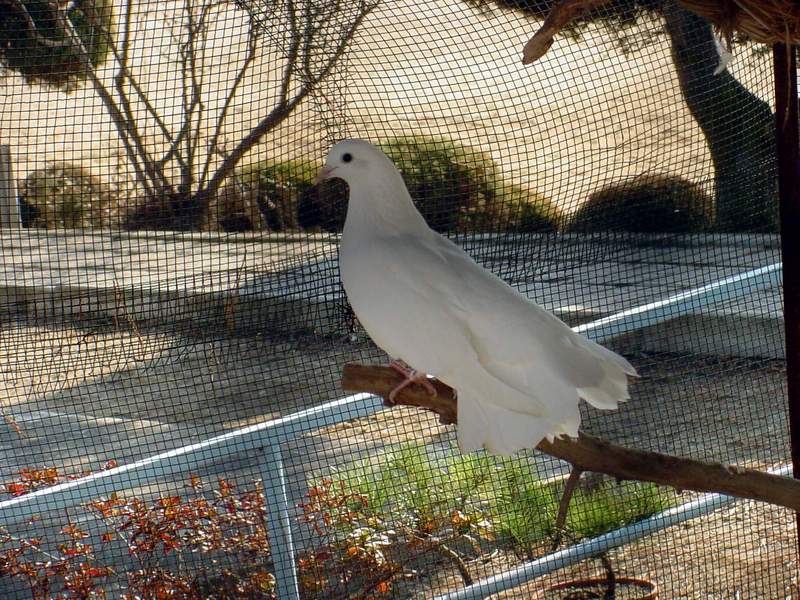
(34, 44)
(179, 166)
(737, 125)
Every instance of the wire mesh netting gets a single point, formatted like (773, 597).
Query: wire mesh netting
(170, 274)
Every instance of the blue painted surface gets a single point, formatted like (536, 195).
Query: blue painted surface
(279, 523)
(682, 303)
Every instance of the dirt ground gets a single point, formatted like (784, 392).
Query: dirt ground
(743, 551)
(731, 410)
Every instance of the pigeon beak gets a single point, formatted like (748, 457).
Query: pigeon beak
(324, 173)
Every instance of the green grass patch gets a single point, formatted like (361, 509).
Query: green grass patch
(519, 508)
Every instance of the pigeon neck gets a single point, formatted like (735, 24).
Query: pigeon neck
(383, 209)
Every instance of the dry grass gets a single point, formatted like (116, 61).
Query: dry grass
(744, 551)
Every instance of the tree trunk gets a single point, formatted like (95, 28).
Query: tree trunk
(172, 210)
(738, 126)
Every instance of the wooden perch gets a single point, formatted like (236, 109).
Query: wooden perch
(589, 453)
(560, 16)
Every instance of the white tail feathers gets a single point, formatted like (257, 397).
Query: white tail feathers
(602, 398)
(609, 356)
(612, 390)
(483, 423)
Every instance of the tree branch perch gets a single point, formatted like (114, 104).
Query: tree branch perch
(589, 453)
(562, 13)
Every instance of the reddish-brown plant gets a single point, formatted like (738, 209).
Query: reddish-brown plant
(211, 541)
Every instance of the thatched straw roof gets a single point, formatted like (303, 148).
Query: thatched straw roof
(765, 21)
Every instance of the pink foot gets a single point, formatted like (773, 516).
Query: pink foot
(411, 376)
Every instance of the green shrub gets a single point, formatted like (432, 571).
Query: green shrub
(58, 66)
(525, 507)
(455, 187)
(261, 196)
(528, 211)
(65, 195)
(505, 495)
(650, 203)
(410, 480)
(323, 207)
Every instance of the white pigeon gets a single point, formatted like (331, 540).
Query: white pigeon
(518, 370)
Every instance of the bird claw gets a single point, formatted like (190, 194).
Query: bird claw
(411, 376)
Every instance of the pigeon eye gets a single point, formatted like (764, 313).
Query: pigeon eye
(347, 157)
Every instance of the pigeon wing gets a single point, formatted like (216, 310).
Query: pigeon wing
(511, 339)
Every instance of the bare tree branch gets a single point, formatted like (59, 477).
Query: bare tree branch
(560, 15)
(291, 55)
(130, 133)
(364, 9)
(453, 556)
(589, 453)
(123, 126)
(310, 30)
(190, 95)
(198, 75)
(124, 54)
(318, 33)
(172, 151)
(124, 76)
(151, 178)
(285, 108)
(252, 49)
(272, 120)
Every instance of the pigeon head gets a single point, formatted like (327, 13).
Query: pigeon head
(378, 197)
(356, 161)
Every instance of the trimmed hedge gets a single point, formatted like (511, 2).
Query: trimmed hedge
(456, 188)
(528, 211)
(262, 196)
(323, 207)
(650, 203)
(65, 195)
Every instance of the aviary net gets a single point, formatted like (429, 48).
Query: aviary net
(170, 276)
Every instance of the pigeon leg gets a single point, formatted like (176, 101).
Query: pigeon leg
(411, 376)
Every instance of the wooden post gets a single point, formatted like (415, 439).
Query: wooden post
(9, 207)
(787, 146)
